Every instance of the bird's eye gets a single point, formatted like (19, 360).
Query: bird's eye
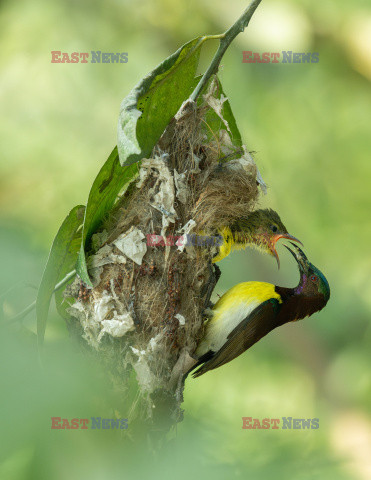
(274, 228)
(313, 278)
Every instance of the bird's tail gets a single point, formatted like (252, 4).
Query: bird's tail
(204, 358)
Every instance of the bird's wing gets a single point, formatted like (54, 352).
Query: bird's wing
(255, 326)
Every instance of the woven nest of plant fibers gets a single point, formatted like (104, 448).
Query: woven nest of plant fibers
(145, 314)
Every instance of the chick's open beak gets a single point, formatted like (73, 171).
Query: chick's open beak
(274, 241)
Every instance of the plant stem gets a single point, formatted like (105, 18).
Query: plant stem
(225, 40)
(30, 307)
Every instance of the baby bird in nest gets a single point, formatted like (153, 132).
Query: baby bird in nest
(260, 229)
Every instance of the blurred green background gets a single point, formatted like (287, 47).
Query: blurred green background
(310, 126)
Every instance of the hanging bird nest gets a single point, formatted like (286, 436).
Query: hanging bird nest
(150, 289)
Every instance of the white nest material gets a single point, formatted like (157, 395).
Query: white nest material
(163, 190)
(131, 244)
(101, 317)
(147, 380)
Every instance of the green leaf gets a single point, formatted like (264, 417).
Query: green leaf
(229, 117)
(215, 123)
(62, 256)
(68, 266)
(110, 180)
(149, 107)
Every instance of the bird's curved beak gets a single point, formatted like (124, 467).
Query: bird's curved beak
(300, 257)
(276, 238)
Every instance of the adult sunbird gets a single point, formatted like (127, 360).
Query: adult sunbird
(260, 229)
(250, 310)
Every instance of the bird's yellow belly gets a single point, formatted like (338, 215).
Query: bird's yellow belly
(231, 309)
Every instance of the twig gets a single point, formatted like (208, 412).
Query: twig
(29, 309)
(225, 40)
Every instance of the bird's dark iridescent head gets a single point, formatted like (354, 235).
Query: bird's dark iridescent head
(312, 281)
(265, 228)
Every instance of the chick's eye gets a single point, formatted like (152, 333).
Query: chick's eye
(313, 278)
(274, 228)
